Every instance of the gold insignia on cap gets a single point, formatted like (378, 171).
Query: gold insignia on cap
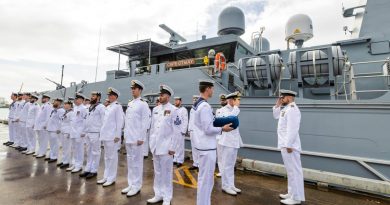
(132, 83)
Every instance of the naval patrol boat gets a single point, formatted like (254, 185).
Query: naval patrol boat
(343, 90)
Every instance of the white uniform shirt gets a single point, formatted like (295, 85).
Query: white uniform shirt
(12, 111)
(191, 120)
(204, 130)
(95, 117)
(113, 122)
(218, 113)
(19, 109)
(183, 114)
(66, 120)
(33, 112)
(165, 129)
(232, 138)
(137, 121)
(288, 126)
(24, 113)
(78, 121)
(54, 122)
(43, 116)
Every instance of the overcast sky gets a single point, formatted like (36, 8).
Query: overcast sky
(37, 37)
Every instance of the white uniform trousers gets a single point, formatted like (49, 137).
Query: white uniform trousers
(228, 160)
(179, 154)
(110, 160)
(145, 146)
(11, 130)
(219, 158)
(66, 149)
(18, 131)
(292, 163)
(195, 152)
(163, 169)
(23, 134)
(43, 140)
(53, 143)
(78, 152)
(135, 165)
(207, 161)
(93, 152)
(31, 139)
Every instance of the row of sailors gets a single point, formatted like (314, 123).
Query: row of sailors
(165, 126)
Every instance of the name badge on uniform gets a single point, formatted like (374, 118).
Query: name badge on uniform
(167, 112)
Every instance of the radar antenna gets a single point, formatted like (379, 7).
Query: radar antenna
(175, 37)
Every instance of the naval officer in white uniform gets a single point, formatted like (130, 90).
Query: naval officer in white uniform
(206, 142)
(22, 121)
(178, 158)
(11, 123)
(77, 124)
(218, 113)
(53, 128)
(20, 130)
(136, 125)
(32, 115)
(66, 119)
(93, 124)
(164, 139)
(290, 144)
(110, 134)
(195, 153)
(40, 123)
(229, 143)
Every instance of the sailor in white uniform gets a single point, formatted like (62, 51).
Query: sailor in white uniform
(206, 142)
(289, 116)
(229, 143)
(145, 145)
(20, 130)
(22, 121)
(178, 158)
(11, 123)
(32, 115)
(53, 127)
(66, 119)
(40, 123)
(110, 134)
(136, 125)
(218, 113)
(77, 131)
(93, 124)
(164, 139)
(194, 152)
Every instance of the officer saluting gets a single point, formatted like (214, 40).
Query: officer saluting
(93, 124)
(206, 142)
(164, 136)
(136, 126)
(110, 134)
(290, 145)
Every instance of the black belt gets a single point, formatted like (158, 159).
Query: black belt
(206, 149)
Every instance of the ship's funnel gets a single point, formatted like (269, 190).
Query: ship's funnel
(231, 21)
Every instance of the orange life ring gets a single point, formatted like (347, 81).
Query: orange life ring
(220, 62)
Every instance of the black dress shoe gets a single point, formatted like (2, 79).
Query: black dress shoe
(63, 166)
(178, 165)
(52, 160)
(47, 159)
(174, 163)
(145, 157)
(5, 143)
(10, 143)
(84, 174)
(193, 168)
(91, 175)
(58, 165)
(23, 149)
(18, 148)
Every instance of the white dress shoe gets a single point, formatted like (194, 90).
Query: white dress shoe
(70, 168)
(133, 192)
(155, 199)
(166, 203)
(290, 201)
(75, 170)
(101, 181)
(230, 191)
(219, 174)
(236, 189)
(125, 190)
(108, 184)
(284, 196)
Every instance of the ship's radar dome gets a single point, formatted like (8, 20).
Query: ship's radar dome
(231, 21)
(299, 28)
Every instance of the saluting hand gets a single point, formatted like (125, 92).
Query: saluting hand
(278, 102)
